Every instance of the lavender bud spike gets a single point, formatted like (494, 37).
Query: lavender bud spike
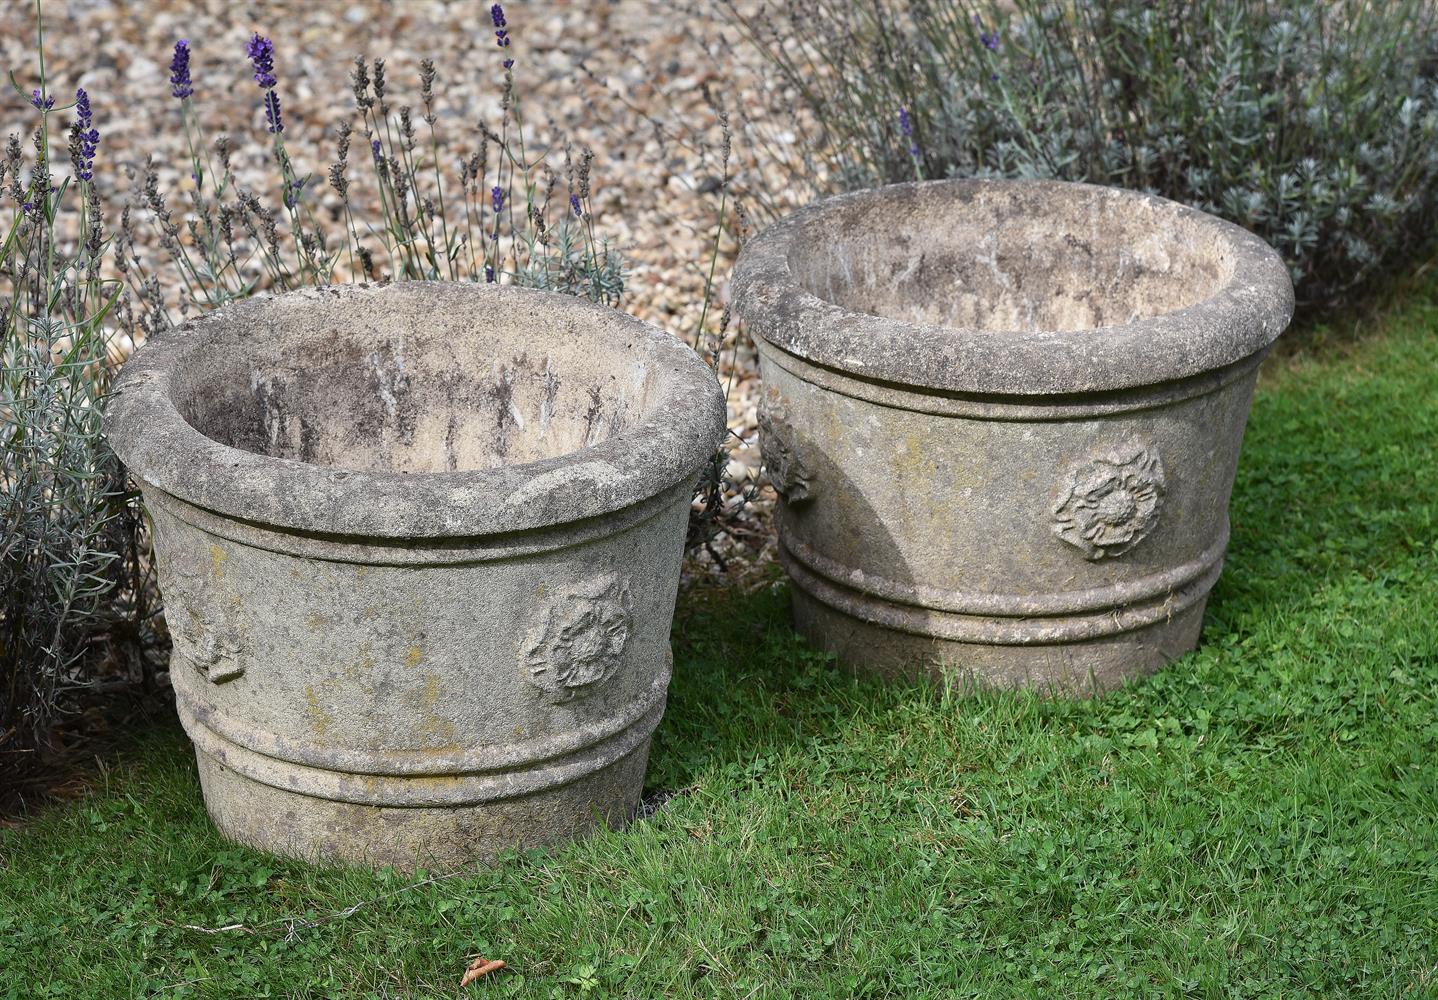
(261, 53)
(180, 71)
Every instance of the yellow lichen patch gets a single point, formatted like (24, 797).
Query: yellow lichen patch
(364, 666)
(913, 457)
(321, 721)
(414, 656)
(315, 621)
(217, 560)
(437, 732)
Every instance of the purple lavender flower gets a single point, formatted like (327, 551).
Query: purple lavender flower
(575, 207)
(501, 32)
(89, 135)
(906, 128)
(375, 148)
(44, 104)
(489, 274)
(180, 71)
(990, 39)
(272, 112)
(261, 52)
(496, 198)
(292, 192)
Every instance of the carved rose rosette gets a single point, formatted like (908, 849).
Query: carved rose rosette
(777, 443)
(582, 640)
(201, 631)
(1110, 502)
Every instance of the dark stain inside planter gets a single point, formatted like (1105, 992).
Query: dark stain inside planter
(411, 393)
(1011, 260)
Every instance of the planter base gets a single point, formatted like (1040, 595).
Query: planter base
(313, 829)
(1073, 668)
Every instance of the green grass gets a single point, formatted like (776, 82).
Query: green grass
(1260, 820)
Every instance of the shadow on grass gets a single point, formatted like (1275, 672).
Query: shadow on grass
(1338, 479)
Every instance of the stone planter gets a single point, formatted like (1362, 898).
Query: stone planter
(419, 546)
(1004, 419)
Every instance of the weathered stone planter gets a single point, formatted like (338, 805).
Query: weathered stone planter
(1005, 419)
(419, 546)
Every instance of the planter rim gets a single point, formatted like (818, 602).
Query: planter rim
(1244, 315)
(679, 430)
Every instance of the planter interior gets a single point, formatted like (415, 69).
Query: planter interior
(1016, 263)
(451, 397)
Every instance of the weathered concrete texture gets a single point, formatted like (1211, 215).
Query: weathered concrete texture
(1004, 419)
(419, 546)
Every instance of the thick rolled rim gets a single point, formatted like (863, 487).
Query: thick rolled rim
(1243, 316)
(682, 425)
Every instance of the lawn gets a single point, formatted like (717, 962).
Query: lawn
(1260, 820)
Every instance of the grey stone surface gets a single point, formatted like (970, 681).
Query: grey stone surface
(419, 546)
(1004, 419)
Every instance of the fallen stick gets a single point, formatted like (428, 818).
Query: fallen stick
(479, 967)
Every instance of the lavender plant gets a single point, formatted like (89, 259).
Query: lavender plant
(71, 566)
(719, 501)
(495, 217)
(74, 567)
(1313, 124)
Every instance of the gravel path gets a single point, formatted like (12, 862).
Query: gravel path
(638, 82)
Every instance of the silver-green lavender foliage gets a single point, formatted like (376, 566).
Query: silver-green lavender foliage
(1314, 124)
(69, 528)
